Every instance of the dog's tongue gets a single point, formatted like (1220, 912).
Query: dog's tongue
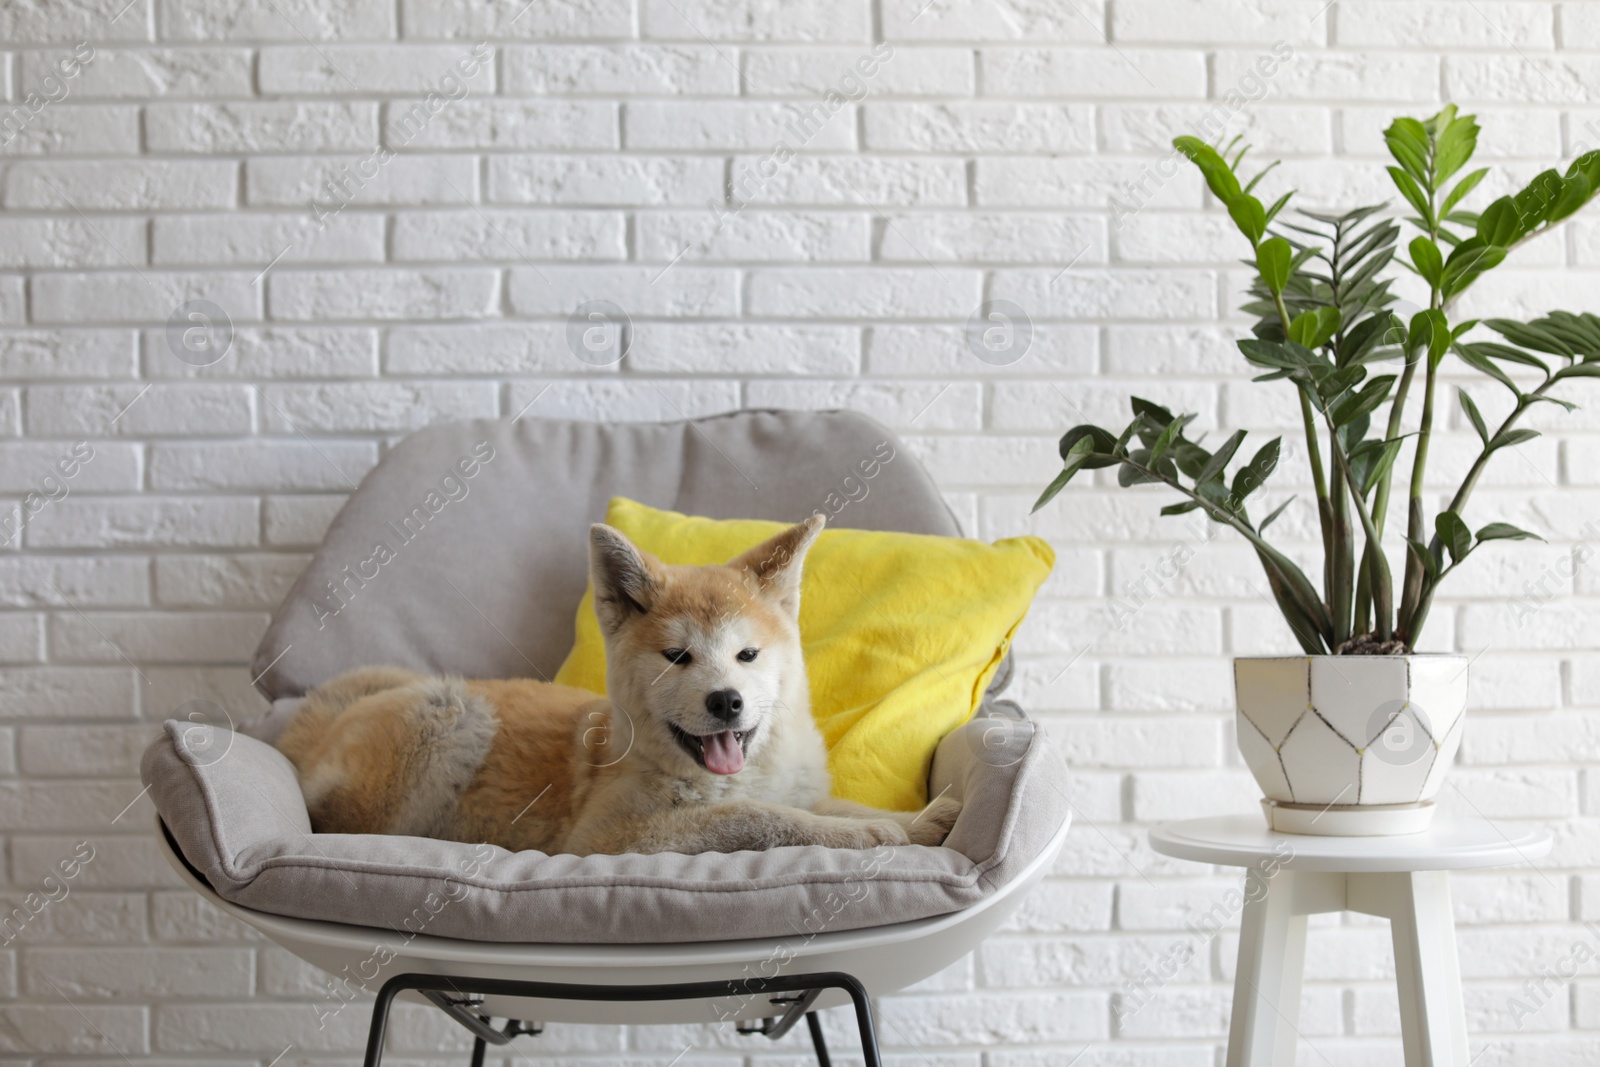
(723, 754)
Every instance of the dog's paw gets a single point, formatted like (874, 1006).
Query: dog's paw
(932, 824)
(877, 832)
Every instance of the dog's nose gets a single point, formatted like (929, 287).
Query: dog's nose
(725, 704)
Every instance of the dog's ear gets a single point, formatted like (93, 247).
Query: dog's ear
(626, 580)
(775, 564)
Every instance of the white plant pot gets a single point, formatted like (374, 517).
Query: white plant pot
(1350, 745)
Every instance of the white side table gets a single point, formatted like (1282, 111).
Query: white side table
(1404, 879)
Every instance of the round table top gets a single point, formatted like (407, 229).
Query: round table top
(1448, 845)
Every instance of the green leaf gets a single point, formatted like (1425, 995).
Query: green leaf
(1499, 224)
(1075, 458)
(1218, 175)
(1507, 438)
(1511, 355)
(1429, 563)
(1478, 361)
(1314, 327)
(1430, 331)
(1052, 490)
(1463, 187)
(1150, 410)
(1408, 143)
(1253, 182)
(1413, 193)
(1363, 274)
(1128, 474)
(1273, 257)
(1536, 398)
(1575, 192)
(1264, 523)
(1369, 471)
(1580, 332)
(1164, 442)
(1120, 449)
(1453, 532)
(1455, 147)
(1217, 500)
(1278, 204)
(1365, 336)
(1588, 165)
(1355, 405)
(1250, 477)
(1535, 335)
(1282, 355)
(1251, 218)
(1180, 508)
(1454, 144)
(1504, 531)
(1428, 260)
(1189, 457)
(1219, 462)
(1473, 414)
(1333, 381)
(1102, 444)
(1536, 200)
(1578, 370)
(1467, 260)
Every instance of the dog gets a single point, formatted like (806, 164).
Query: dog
(705, 743)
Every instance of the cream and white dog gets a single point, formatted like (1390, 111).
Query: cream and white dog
(706, 742)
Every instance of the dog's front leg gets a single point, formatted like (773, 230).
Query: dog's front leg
(751, 826)
(929, 826)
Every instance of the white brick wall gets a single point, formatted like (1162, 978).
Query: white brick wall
(398, 202)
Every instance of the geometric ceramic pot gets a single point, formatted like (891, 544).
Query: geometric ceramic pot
(1350, 745)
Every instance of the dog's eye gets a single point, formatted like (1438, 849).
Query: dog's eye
(678, 656)
(749, 655)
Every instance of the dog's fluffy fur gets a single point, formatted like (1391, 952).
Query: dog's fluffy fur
(663, 765)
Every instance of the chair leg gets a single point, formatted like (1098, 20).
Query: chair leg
(870, 1056)
(818, 1042)
(380, 1023)
(430, 984)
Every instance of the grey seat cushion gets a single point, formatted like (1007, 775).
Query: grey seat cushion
(234, 808)
(431, 567)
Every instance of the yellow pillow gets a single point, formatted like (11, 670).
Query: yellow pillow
(902, 633)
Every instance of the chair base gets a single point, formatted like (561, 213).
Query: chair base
(439, 990)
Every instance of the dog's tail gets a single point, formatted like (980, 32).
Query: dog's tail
(323, 705)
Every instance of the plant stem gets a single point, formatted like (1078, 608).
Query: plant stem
(1319, 481)
(1341, 560)
(1380, 503)
(1340, 569)
(1459, 501)
(1416, 525)
(1382, 592)
(1412, 592)
(1380, 507)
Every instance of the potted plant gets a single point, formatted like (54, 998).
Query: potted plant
(1355, 736)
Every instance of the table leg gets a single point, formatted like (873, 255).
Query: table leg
(1433, 1018)
(1272, 955)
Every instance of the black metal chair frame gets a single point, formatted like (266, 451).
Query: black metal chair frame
(458, 996)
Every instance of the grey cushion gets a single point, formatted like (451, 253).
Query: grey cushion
(486, 575)
(233, 806)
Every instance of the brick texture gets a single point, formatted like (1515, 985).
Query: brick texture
(398, 203)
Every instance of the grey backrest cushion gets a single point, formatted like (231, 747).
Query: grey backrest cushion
(465, 550)
(234, 809)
